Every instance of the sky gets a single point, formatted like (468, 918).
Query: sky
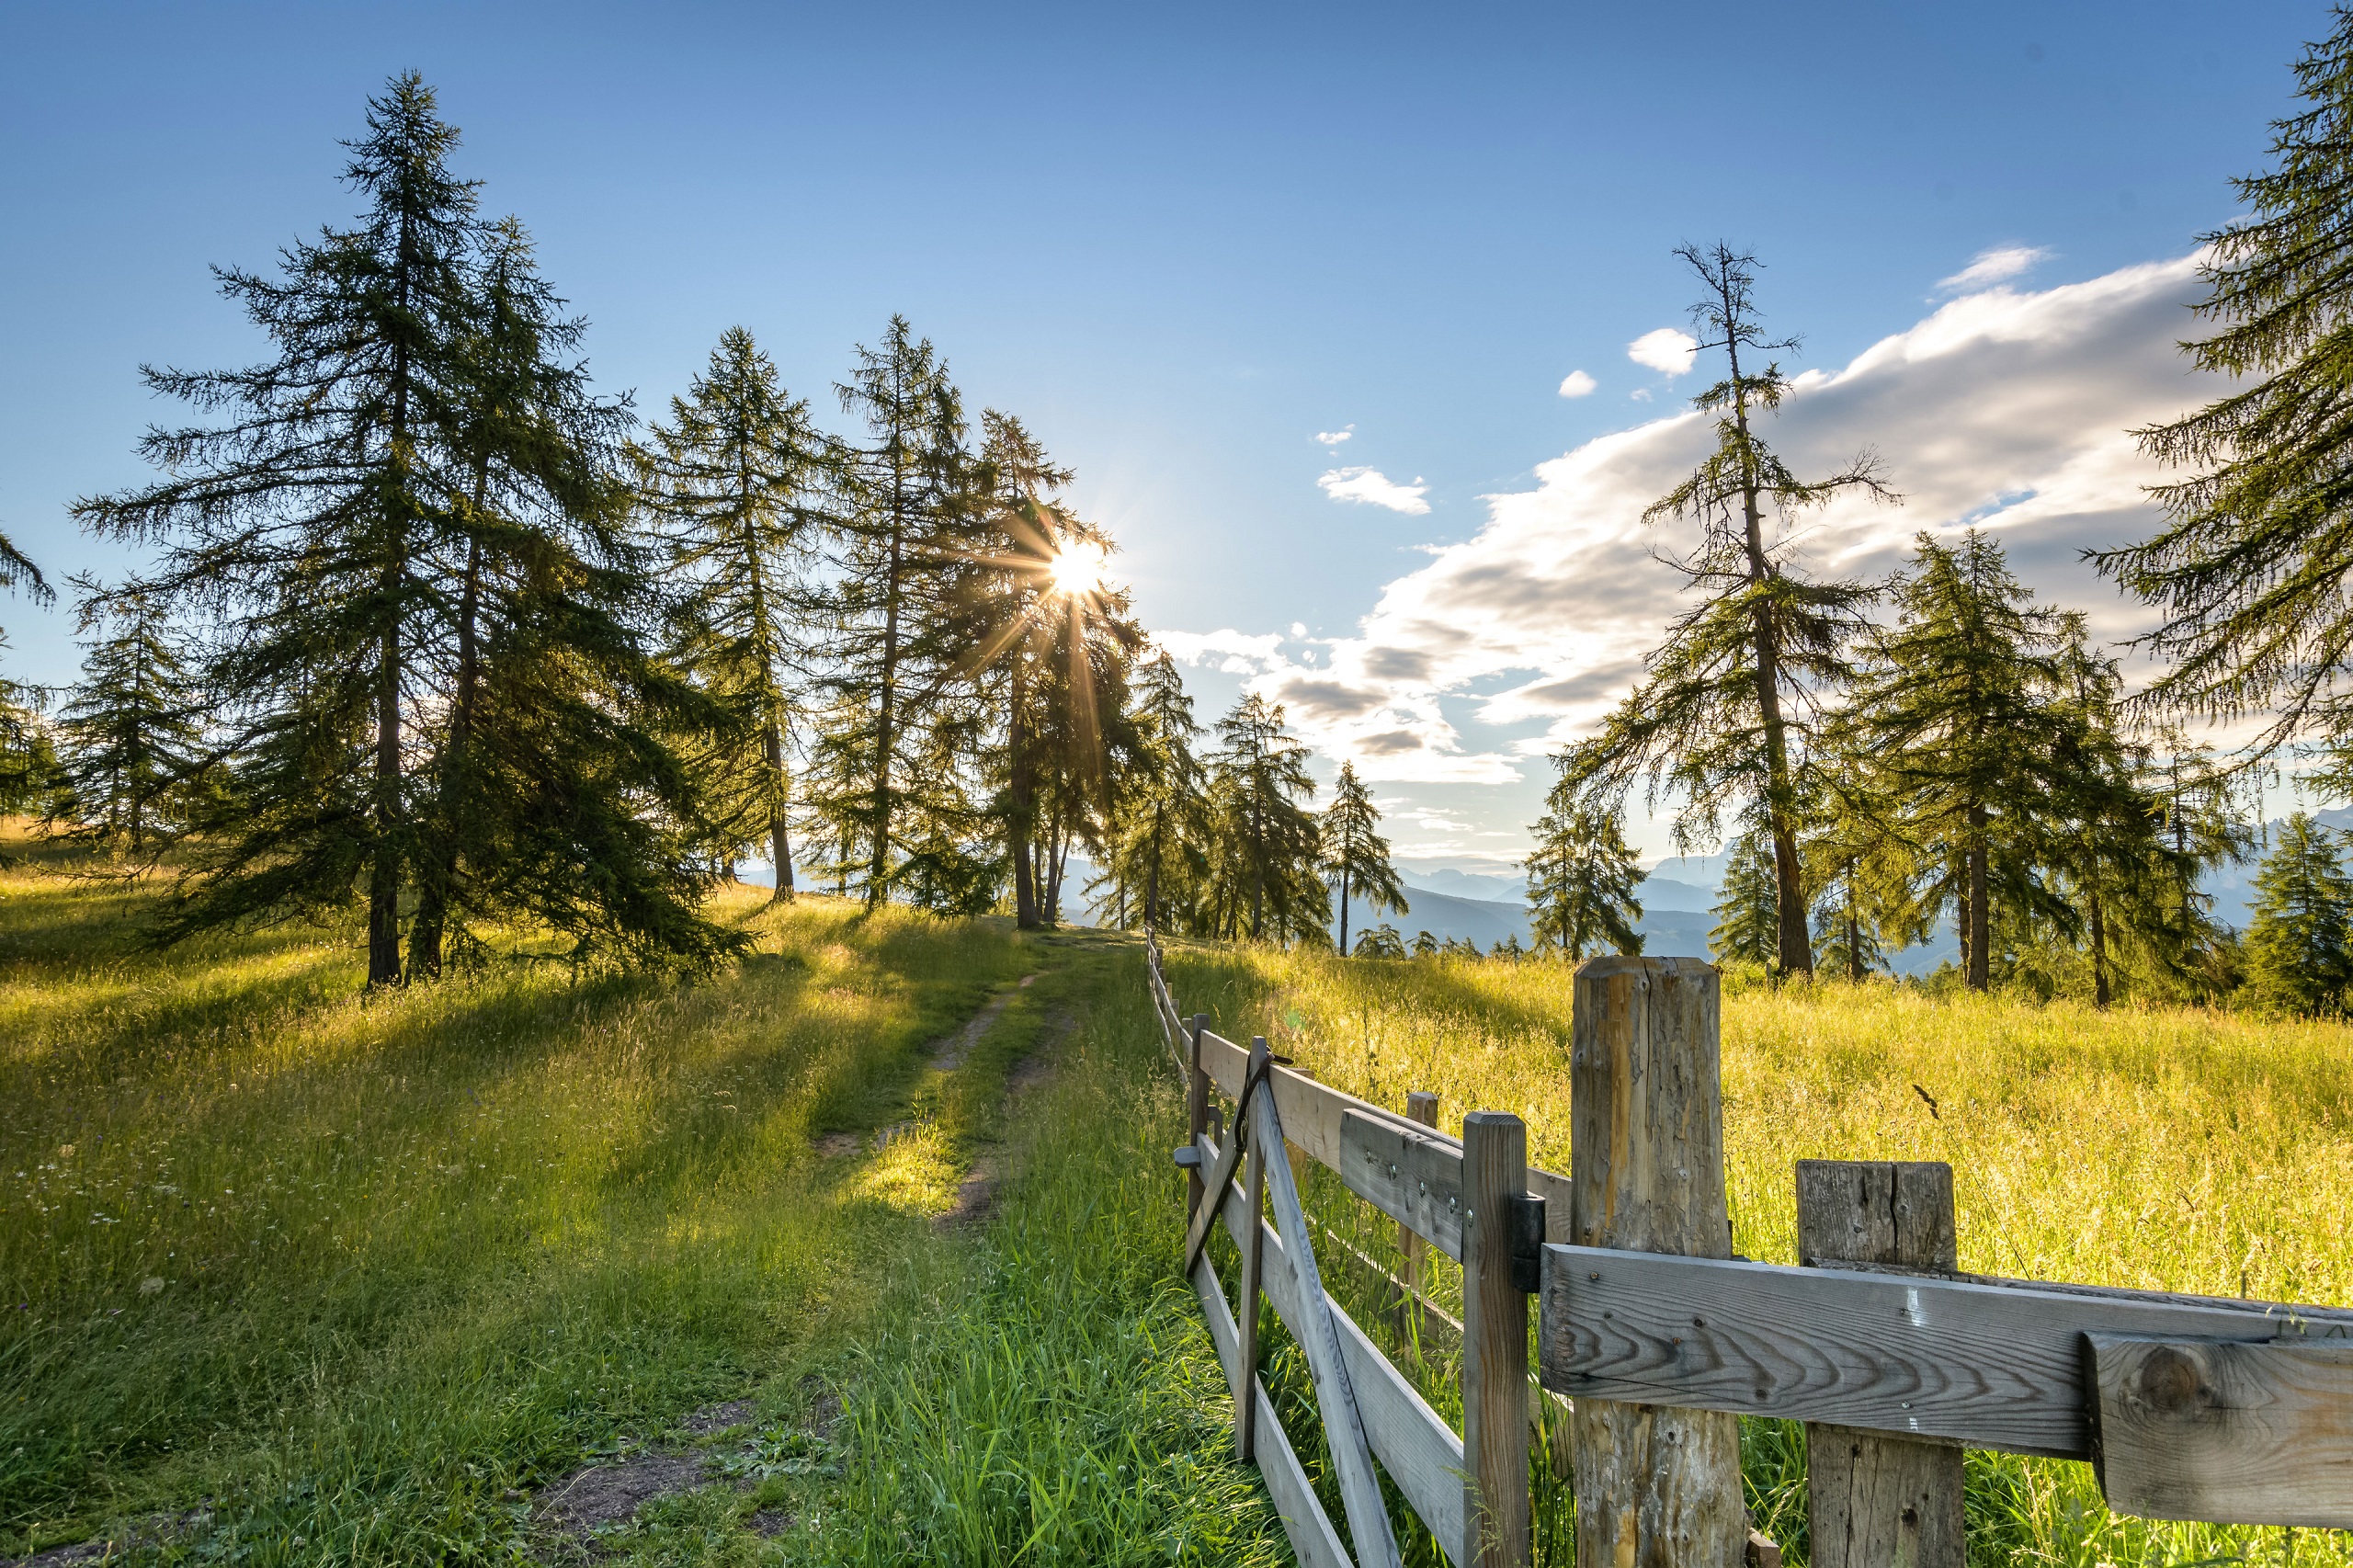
(1360, 325)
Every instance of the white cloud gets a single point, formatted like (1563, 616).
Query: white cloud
(2007, 410)
(1333, 438)
(1299, 629)
(1373, 488)
(1235, 653)
(1639, 394)
(1577, 384)
(1666, 349)
(1994, 266)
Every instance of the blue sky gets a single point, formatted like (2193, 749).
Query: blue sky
(1183, 241)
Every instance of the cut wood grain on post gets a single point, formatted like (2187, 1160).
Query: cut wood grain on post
(1656, 1487)
(1872, 1499)
(2215, 1429)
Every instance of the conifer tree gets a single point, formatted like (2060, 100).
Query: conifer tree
(408, 539)
(133, 739)
(305, 519)
(1581, 880)
(1265, 843)
(2249, 567)
(1958, 714)
(1381, 942)
(1725, 714)
(735, 485)
(2299, 937)
(1749, 914)
(1424, 944)
(911, 544)
(1355, 856)
(1159, 856)
(1055, 644)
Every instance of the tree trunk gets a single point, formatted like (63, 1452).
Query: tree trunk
(428, 931)
(1854, 933)
(2099, 952)
(1021, 790)
(1980, 925)
(780, 828)
(1344, 905)
(877, 871)
(384, 864)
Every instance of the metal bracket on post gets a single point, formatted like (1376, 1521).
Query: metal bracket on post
(1524, 1212)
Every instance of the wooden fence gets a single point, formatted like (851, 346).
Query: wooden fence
(2190, 1407)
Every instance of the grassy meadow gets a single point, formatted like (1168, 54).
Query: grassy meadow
(352, 1275)
(354, 1279)
(2176, 1150)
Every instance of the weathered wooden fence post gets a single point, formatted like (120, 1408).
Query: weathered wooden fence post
(1197, 1111)
(1494, 1345)
(1656, 1487)
(1874, 1499)
(1421, 1106)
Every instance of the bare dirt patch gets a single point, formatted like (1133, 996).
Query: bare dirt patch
(976, 1194)
(715, 1418)
(153, 1530)
(612, 1494)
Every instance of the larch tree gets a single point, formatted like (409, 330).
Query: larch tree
(1582, 879)
(131, 727)
(306, 527)
(1957, 711)
(405, 550)
(1355, 856)
(1054, 643)
(1748, 906)
(2299, 936)
(2250, 567)
(735, 487)
(1265, 844)
(1159, 856)
(1727, 707)
(910, 538)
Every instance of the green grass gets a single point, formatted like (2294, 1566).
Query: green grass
(360, 1268)
(356, 1276)
(2176, 1149)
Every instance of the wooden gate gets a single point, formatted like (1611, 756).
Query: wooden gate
(1653, 1339)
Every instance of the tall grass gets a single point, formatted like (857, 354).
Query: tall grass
(362, 1268)
(1058, 1401)
(2176, 1150)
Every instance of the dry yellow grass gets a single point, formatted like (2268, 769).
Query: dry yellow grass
(2177, 1150)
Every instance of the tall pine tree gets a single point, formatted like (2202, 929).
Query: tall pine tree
(735, 485)
(1159, 855)
(1267, 883)
(911, 542)
(131, 728)
(1724, 716)
(1355, 856)
(1748, 906)
(408, 543)
(1960, 714)
(2299, 937)
(1581, 880)
(2250, 567)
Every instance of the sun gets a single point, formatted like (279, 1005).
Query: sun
(1077, 570)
